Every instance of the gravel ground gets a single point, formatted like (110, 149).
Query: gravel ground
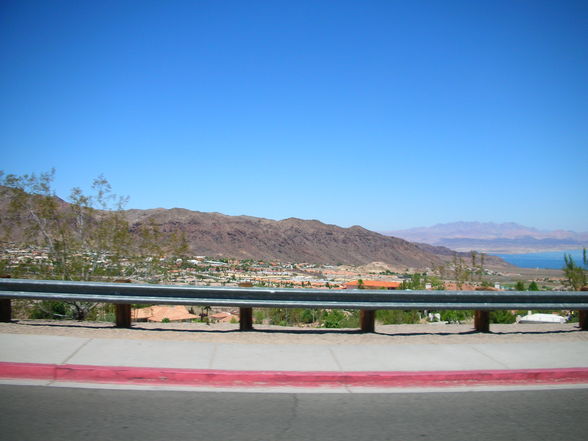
(264, 334)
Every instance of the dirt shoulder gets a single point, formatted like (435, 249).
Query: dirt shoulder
(264, 334)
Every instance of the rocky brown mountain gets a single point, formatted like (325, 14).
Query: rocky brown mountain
(288, 240)
(292, 240)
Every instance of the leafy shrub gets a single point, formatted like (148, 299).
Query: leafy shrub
(456, 316)
(49, 309)
(333, 319)
(394, 317)
(259, 316)
(337, 318)
(502, 316)
(309, 315)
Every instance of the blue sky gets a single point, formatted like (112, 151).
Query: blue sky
(385, 114)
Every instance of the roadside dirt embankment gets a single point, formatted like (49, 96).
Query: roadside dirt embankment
(265, 334)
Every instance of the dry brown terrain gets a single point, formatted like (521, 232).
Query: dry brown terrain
(265, 334)
(288, 240)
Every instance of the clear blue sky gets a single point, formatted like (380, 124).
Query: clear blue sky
(386, 114)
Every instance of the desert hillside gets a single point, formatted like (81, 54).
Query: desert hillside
(288, 240)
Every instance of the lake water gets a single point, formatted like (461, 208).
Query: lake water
(551, 259)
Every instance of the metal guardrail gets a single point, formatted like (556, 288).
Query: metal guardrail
(368, 301)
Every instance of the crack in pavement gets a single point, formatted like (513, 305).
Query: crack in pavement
(336, 360)
(83, 345)
(489, 357)
(212, 356)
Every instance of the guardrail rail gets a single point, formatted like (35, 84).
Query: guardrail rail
(123, 295)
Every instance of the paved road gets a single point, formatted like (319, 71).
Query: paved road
(51, 413)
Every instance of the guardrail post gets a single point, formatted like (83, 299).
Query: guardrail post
(123, 315)
(245, 319)
(367, 318)
(583, 315)
(583, 319)
(482, 321)
(123, 310)
(5, 310)
(5, 305)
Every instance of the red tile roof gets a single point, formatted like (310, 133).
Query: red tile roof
(374, 284)
(158, 313)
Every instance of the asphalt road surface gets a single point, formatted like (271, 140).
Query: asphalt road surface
(51, 413)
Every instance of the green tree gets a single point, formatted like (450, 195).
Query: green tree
(533, 286)
(205, 314)
(83, 238)
(520, 286)
(100, 231)
(32, 205)
(79, 236)
(460, 271)
(415, 282)
(482, 270)
(474, 268)
(575, 275)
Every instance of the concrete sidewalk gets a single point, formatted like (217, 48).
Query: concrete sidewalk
(159, 359)
(295, 357)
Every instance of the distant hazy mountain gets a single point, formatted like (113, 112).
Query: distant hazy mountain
(492, 237)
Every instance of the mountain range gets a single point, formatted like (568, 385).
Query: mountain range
(493, 237)
(288, 240)
(291, 240)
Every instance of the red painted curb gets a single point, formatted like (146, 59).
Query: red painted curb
(32, 371)
(221, 378)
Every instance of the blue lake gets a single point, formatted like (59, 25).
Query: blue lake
(551, 259)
